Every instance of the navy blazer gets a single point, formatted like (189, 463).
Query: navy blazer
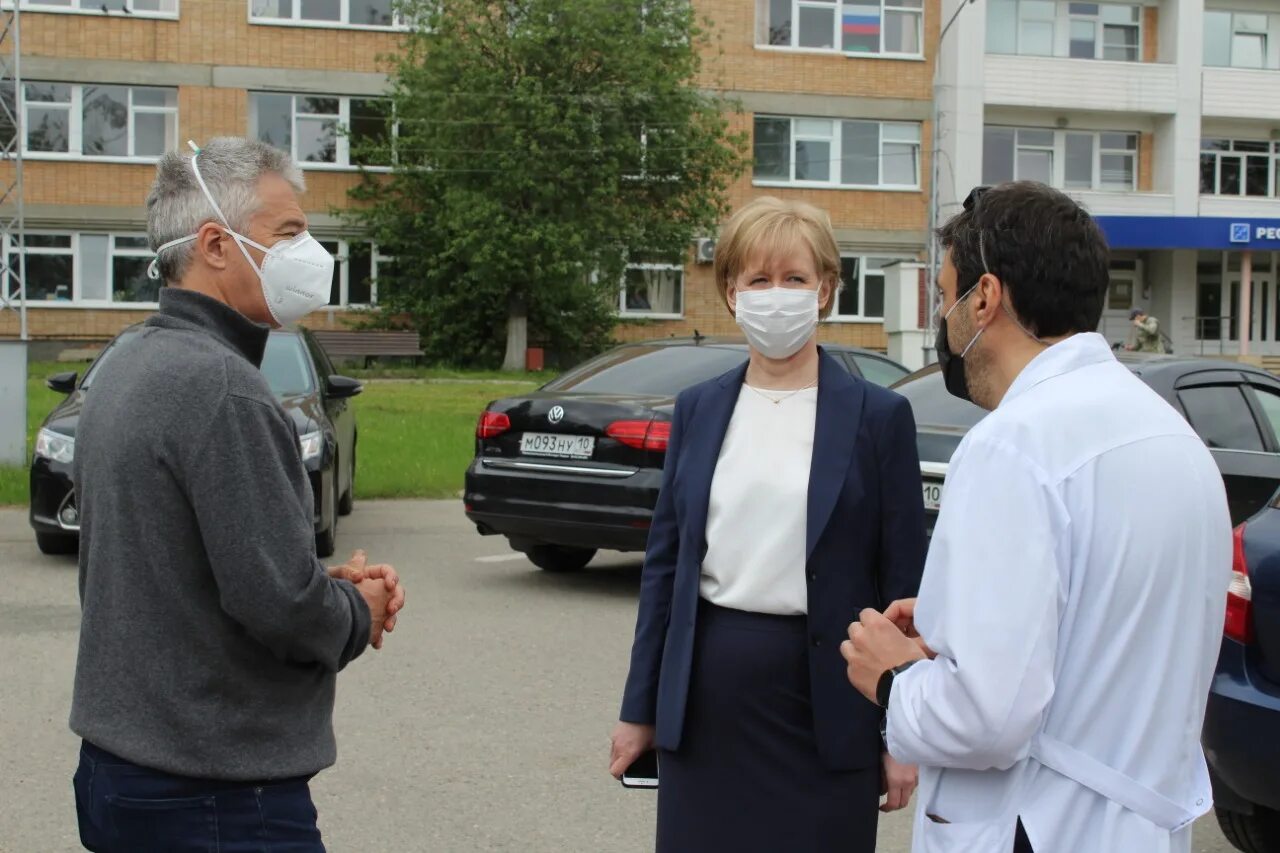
(866, 547)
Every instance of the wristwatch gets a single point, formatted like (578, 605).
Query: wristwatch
(885, 686)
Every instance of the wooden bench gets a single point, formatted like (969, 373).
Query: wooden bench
(368, 344)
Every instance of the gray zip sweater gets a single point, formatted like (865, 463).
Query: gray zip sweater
(211, 635)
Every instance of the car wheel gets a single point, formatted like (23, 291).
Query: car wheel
(57, 544)
(327, 541)
(1253, 833)
(559, 558)
(347, 502)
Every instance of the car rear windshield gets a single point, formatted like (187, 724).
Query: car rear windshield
(931, 403)
(284, 364)
(114, 347)
(286, 367)
(658, 371)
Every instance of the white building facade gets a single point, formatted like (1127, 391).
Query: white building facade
(1163, 118)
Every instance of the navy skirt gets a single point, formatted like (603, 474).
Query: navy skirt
(747, 776)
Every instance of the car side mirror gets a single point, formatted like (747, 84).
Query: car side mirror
(63, 383)
(342, 387)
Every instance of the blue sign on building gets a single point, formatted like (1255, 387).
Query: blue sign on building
(1191, 232)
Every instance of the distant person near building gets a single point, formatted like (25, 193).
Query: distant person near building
(1146, 336)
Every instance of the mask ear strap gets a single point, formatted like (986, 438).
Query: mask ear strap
(195, 167)
(239, 240)
(153, 269)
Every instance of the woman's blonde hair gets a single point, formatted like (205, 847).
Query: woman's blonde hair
(770, 226)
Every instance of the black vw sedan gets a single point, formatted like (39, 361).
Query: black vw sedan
(575, 467)
(302, 378)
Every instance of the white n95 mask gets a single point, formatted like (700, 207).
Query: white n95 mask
(296, 274)
(778, 321)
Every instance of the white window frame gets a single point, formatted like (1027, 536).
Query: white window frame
(1138, 25)
(1270, 36)
(1059, 153)
(643, 173)
(836, 140)
(342, 153)
(1273, 174)
(1237, 31)
(342, 263)
(1100, 25)
(378, 258)
(94, 8)
(75, 124)
(633, 313)
(1053, 22)
(11, 247)
(832, 140)
(296, 20)
(1062, 20)
(862, 258)
(1099, 151)
(1093, 20)
(762, 30)
(78, 271)
(116, 251)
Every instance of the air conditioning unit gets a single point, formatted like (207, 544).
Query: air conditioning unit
(705, 252)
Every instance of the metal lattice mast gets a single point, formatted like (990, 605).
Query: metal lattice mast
(13, 291)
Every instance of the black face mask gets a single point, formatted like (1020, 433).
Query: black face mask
(952, 365)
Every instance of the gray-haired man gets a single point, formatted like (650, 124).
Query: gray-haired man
(211, 635)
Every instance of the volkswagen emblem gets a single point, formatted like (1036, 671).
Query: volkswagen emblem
(556, 415)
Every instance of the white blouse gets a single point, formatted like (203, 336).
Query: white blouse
(757, 516)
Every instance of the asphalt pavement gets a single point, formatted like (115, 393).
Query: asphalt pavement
(481, 726)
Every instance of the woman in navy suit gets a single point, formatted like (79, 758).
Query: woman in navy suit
(790, 501)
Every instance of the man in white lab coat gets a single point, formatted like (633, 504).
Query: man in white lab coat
(1051, 682)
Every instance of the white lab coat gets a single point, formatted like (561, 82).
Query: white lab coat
(1075, 593)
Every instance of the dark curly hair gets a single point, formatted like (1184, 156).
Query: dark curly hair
(1048, 252)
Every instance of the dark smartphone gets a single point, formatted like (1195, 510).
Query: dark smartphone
(643, 772)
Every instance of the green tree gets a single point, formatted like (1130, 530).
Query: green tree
(538, 144)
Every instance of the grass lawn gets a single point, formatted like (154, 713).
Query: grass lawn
(416, 438)
(13, 480)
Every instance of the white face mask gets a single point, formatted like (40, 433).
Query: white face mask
(778, 321)
(296, 274)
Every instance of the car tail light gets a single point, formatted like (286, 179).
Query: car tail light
(642, 435)
(492, 425)
(1239, 625)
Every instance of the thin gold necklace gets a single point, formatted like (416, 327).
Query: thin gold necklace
(778, 400)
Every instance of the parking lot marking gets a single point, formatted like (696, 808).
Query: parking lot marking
(502, 558)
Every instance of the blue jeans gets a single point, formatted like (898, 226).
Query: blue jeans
(124, 808)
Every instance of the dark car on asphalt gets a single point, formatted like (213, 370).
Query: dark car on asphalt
(1233, 407)
(575, 466)
(300, 374)
(1243, 717)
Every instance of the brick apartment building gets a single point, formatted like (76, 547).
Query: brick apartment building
(837, 97)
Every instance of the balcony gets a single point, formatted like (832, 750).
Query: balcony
(1239, 207)
(1124, 204)
(1081, 84)
(1241, 93)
